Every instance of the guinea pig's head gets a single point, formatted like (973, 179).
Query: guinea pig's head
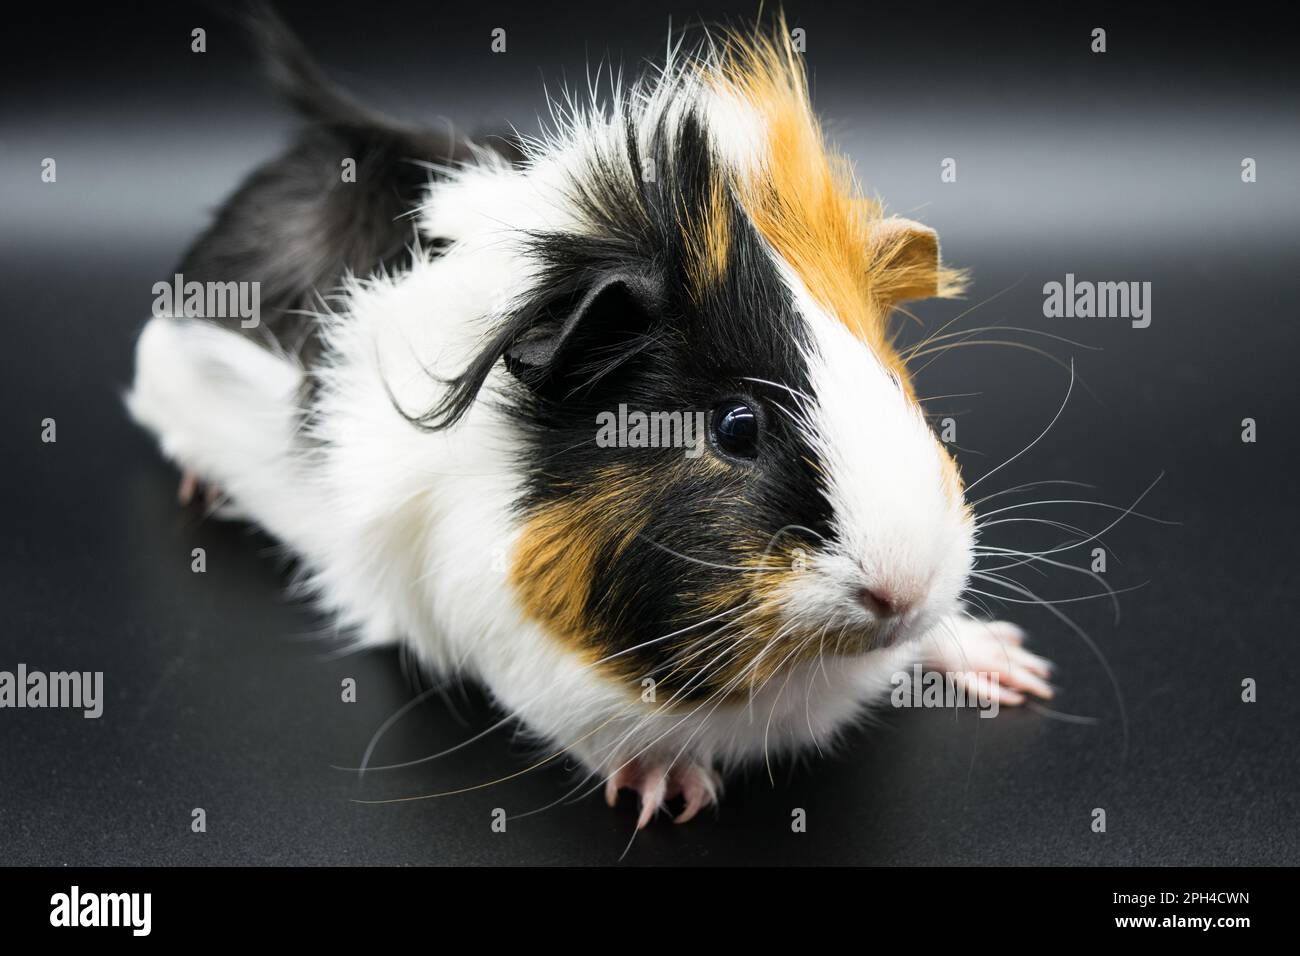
(726, 468)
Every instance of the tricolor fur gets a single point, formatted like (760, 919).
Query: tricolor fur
(430, 458)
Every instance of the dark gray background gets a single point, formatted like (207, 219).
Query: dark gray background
(224, 694)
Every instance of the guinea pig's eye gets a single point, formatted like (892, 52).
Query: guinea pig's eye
(735, 429)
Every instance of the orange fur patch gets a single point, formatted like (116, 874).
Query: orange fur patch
(556, 556)
(554, 564)
(804, 200)
(708, 242)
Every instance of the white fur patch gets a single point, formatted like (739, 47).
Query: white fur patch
(406, 534)
(898, 528)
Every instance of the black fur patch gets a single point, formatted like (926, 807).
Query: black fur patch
(293, 225)
(619, 319)
(677, 350)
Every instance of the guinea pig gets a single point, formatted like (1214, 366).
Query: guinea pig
(437, 413)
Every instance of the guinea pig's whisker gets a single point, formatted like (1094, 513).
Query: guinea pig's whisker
(1055, 418)
(1096, 651)
(708, 620)
(505, 720)
(965, 312)
(1027, 486)
(683, 660)
(923, 399)
(994, 577)
(821, 653)
(719, 693)
(1059, 525)
(706, 564)
(768, 643)
(698, 678)
(711, 667)
(940, 350)
(839, 640)
(791, 527)
(680, 663)
(812, 676)
(799, 420)
(975, 599)
(1027, 559)
(767, 728)
(928, 345)
(988, 575)
(640, 722)
(1110, 595)
(702, 646)
(797, 393)
(752, 669)
(491, 783)
(981, 552)
(442, 753)
(499, 780)
(1095, 504)
(741, 611)
(1030, 558)
(1086, 572)
(780, 636)
(396, 716)
(952, 635)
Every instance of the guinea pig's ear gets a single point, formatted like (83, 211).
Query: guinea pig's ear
(578, 331)
(905, 264)
(578, 341)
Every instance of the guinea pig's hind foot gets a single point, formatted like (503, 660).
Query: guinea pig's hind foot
(190, 483)
(656, 784)
(990, 656)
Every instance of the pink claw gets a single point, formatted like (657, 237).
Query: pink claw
(699, 792)
(996, 649)
(656, 785)
(654, 791)
(189, 485)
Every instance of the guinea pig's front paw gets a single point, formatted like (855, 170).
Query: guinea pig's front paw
(657, 783)
(989, 656)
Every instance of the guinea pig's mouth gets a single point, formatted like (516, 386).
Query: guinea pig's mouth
(867, 633)
(888, 633)
(893, 631)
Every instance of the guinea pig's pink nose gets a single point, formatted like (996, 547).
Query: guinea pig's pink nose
(885, 602)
